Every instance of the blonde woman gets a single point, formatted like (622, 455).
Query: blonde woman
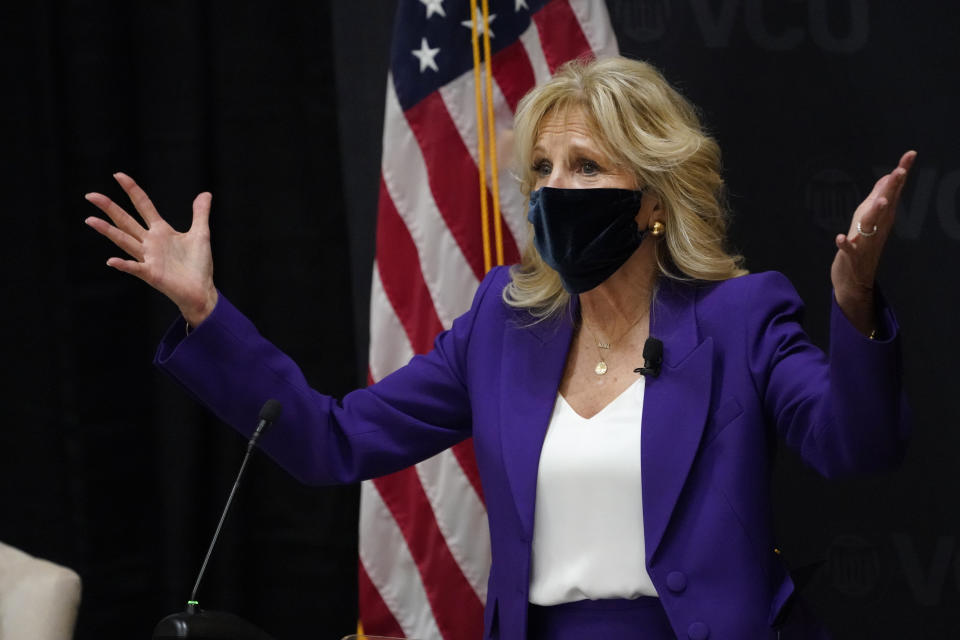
(624, 501)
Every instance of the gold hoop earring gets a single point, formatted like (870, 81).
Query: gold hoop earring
(657, 229)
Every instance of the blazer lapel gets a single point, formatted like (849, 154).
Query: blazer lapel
(532, 366)
(674, 407)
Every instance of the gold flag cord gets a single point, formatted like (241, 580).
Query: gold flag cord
(491, 124)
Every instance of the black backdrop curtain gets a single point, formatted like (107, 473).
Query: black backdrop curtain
(108, 467)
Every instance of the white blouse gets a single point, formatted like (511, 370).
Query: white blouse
(588, 521)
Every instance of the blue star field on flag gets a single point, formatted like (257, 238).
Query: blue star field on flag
(432, 45)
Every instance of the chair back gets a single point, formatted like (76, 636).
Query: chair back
(38, 599)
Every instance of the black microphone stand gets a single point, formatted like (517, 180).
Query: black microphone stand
(194, 622)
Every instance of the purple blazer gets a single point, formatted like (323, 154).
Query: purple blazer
(738, 372)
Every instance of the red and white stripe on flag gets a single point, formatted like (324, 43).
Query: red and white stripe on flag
(424, 544)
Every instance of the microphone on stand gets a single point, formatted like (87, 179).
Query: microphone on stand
(194, 622)
(652, 358)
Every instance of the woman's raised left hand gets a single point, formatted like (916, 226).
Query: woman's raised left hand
(854, 267)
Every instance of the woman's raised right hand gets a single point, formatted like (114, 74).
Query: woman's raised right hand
(178, 265)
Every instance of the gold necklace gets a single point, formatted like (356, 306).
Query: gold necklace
(601, 367)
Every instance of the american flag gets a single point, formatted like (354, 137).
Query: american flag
(424, 545)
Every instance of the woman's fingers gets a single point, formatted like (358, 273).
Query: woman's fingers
(893, 185)
(139, 198)
(907, 159)
(115, 212)
(845, 245)
(880, 207)
(125, 241)
(869, 222)
(134, 268)
(201, 211)
(179, 265)
(901, 172)
(867, 216)
(858, 255)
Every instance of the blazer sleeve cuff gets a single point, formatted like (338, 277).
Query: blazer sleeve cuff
(888, 329)
(177, 342)
(867, 387)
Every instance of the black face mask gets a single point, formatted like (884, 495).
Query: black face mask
(585, 234)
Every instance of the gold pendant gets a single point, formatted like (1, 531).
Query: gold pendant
(601, 368)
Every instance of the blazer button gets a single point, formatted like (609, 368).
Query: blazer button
(698, 631)
(676, 581)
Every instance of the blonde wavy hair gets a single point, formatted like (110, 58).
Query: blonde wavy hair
(645, 126)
